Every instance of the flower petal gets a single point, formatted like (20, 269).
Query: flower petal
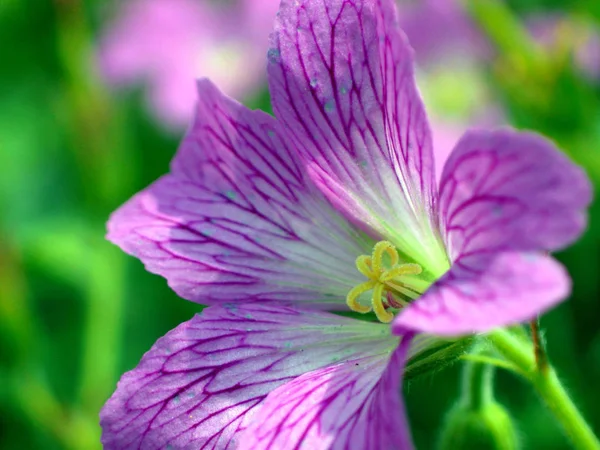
(341, 79)
(199, 386)
(506, 190)
(505, 198)
(482, 292)
(238, 219)
(354, 406)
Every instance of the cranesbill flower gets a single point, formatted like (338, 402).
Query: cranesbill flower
(332, 205)
(168, 44)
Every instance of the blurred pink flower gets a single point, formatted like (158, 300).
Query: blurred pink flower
(439, 30)
(550, 30)
(168, 44)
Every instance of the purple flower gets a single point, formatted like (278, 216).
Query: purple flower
(169, 43)
(332, 205)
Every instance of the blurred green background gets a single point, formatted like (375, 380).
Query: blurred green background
(76, 312)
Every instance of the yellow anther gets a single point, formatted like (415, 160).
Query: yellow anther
(378, 308)
(384, 277)
(352, 297)
(363, 264)
(378, 251)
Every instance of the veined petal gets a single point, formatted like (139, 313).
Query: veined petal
(506, 190)
(201, 384)
(506, 197)
(482, 292)
(354, 405)
(341, 80)
(238, 218)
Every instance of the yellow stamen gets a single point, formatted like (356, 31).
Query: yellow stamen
(378, 251)
(404, 269)
(383, 276)
(363, 264)
(378, 308)
(352, 297)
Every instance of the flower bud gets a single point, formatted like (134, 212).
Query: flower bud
(489, 427)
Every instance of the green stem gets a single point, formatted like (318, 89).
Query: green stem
(496, 362)
(548, 386)
(515, 349)
(104, 325)
(100, 141)
(477, 385)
